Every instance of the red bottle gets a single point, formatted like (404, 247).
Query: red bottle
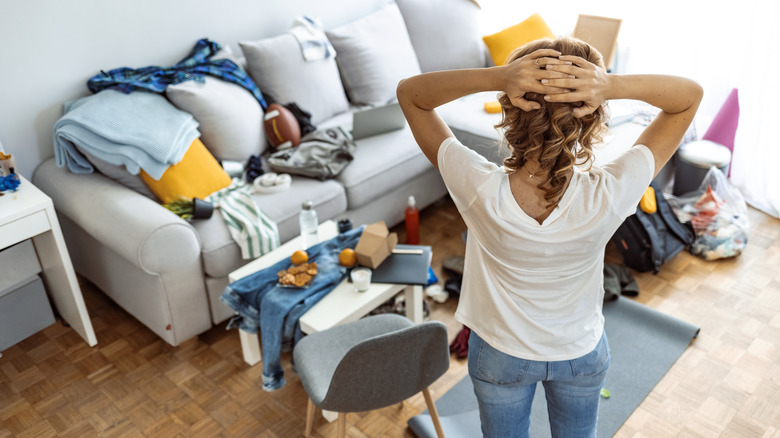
(412, 221)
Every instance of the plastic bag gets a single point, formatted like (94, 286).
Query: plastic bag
(718, 214)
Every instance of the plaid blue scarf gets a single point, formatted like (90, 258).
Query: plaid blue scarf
(193, 67)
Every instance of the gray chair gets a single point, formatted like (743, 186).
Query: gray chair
(369, 364)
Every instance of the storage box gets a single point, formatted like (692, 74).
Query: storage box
(18, 263)
(24, 310)
(375, 245)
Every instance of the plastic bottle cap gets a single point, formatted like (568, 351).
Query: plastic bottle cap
(411, 201)
(307, 205)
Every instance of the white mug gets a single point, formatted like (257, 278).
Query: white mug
(361, 278)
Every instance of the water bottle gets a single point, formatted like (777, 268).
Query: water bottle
(308, 222)
(412, 221)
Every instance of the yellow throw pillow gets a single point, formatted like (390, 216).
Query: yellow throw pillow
(197, 175)
(503, 43)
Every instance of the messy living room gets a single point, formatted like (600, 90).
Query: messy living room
(389, 218)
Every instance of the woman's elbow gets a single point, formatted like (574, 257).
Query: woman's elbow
(697, 93)
(402, 90)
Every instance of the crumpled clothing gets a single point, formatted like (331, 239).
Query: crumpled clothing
(618, 281)
(262, 304)
(322, 154)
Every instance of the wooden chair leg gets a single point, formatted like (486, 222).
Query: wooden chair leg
(309, 418)
(342, 425)
(434, 413)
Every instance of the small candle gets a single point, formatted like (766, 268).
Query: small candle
(361, 278)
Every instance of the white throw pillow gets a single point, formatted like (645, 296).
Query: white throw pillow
(374, 54)
(451, 40)
(230, 117)
(278, 68)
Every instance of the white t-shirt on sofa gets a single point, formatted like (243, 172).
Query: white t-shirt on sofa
(536, 291)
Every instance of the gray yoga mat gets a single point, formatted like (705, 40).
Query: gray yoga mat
(644, 344)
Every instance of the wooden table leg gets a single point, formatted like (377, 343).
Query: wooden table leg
(250, 346)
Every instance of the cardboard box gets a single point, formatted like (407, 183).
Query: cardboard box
(375, 245)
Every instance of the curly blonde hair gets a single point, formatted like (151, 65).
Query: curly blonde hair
(552, 136)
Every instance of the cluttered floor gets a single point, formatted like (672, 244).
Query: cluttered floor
(133, 384)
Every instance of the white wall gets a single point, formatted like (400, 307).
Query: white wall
(49, 48)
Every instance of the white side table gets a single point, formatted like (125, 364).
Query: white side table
(29, 214)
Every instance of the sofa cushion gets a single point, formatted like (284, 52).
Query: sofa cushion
(374, 53)
(230, 118)
(197, 175)
(437, 46)
(502, 44)
(221, 254)
(120, 175)
(277, 66)
(475, 127)
(382, 163)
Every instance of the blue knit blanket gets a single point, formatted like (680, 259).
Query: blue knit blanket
(139, 130)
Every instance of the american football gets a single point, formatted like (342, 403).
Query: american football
(281, 127)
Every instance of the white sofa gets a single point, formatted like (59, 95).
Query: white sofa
(169, 273)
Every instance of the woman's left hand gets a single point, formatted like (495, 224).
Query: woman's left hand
(588, 82)
(526, 74)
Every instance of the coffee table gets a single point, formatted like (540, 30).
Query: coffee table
(343, 304)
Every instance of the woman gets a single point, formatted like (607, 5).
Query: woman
(532, 284)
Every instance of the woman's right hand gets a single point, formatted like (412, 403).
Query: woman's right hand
(588, 83)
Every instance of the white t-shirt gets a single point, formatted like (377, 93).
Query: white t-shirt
(531, 290)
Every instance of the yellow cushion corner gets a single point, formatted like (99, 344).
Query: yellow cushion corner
(197, 175)
(492, 107)
(502, 44)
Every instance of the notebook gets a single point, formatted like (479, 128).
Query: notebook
(377, 120)
(404, 268)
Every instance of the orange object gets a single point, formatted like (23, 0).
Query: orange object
(648, 203)
(492, 107)
(299, 257)
(347, 257)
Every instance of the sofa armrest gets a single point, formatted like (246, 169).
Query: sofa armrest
(132, 225)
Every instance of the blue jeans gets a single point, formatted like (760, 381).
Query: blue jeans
(263, 305)
(505, 385)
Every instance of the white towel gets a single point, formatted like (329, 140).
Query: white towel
(252, 230)
(312, 39)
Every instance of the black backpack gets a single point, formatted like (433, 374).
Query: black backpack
(648, 240)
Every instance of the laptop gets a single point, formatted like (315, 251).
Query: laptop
(377, 120)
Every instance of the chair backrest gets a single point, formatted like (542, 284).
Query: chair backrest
(389, 368)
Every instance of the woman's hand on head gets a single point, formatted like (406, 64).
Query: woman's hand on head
(588, 83)
(525, 75)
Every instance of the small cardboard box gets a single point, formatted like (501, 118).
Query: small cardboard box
(375, 245)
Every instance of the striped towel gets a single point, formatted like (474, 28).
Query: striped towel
(312, 39)
(252, 230)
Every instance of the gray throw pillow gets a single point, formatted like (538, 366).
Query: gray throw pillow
(230, 118)
(120, 175)
(451, 40)
(374, 53)
(278, 68)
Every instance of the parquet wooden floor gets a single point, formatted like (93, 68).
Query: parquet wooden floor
(133, 384)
